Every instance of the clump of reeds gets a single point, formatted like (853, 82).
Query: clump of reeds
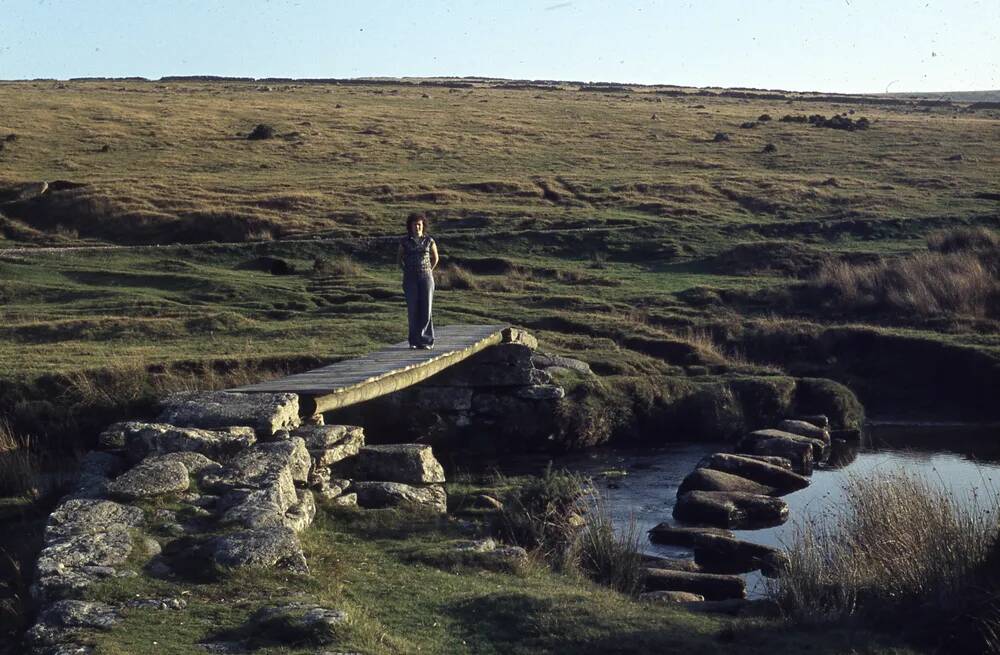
(562, 519)
(901, 551)
(958, 275)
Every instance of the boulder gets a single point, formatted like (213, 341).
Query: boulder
(345, 500)
(819, 447)
(724, 555)
(64, 621)
(67, 565)
(773, 460)
(670, 563)
(805, 429)
(546, 361)
(274, 466)
(513, 354)
(328, 444)
(800, 453)
(730, 509)
(89, 516)
(670, 535)
(710, 586)
(268, 508)
(667, 597)
(266, 413)
(142, 439)
(409, 463)
(704, 479)
(297, 623)
(376, 495)
(151, 477)
(781, 479)
(263, 548)
(294, 452)
(194, 462)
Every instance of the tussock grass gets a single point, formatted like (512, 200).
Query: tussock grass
(901, 551)
(924, 284)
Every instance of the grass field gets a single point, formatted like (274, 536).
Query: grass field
(614, 224)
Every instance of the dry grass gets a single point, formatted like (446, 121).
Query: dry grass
(18, 466)
(342, 266)
(964, 239)
(900, 548)
(608, 556)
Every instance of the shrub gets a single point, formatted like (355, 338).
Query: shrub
(901, 551)
(260, 132)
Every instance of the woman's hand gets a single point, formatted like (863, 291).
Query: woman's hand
(434, 255)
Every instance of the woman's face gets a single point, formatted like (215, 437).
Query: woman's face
(417, 228)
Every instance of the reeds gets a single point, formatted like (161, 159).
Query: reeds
(562, 519)
(18, 465)
(901, 550)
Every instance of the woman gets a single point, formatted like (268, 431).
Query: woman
(417, 256)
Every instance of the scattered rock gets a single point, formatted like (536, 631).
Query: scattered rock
(375, 495)
(544, 361)
(770, 147)
(106, 147)
(955, 157)
(720, 136)
(267, 413)
(706, 479)
(269, 547)
(765, 473)
(710, 586)
(763, 118)
(730, 509)
(157, 603)
(409, 463)
(748, 125)
(345, 500)
(671, 597)
(152, 477)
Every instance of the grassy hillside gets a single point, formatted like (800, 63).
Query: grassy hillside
(607, 220)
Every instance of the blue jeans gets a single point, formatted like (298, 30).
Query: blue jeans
(419, 289)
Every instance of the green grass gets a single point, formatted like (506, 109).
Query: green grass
(400, 599)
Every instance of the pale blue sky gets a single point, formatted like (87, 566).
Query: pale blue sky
(832, 45)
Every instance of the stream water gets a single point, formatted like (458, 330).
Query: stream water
(641, 485)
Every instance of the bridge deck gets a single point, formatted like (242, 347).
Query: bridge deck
(384, 371)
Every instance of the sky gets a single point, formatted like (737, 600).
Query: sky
(811, 45)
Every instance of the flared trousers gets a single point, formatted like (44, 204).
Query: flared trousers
(419, 289)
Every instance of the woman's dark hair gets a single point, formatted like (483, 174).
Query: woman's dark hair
(414, 217)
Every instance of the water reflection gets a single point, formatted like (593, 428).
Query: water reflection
(965, 461)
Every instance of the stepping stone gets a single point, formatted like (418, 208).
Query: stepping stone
(730, 509)
(780, 478)
(671, 535)
(717, 554)
(711, 586)
(705, 479)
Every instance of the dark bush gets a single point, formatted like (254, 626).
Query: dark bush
(262, 131)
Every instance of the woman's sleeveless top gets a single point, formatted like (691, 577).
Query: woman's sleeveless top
(417, 254)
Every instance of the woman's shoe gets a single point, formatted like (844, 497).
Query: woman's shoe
(427, 346)
(412, 347)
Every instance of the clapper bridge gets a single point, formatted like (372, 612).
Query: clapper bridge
(384, 371)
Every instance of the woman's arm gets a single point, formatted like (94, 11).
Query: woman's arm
(434, 255)
(399, 256)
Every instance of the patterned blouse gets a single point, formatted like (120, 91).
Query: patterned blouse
(416, 253)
